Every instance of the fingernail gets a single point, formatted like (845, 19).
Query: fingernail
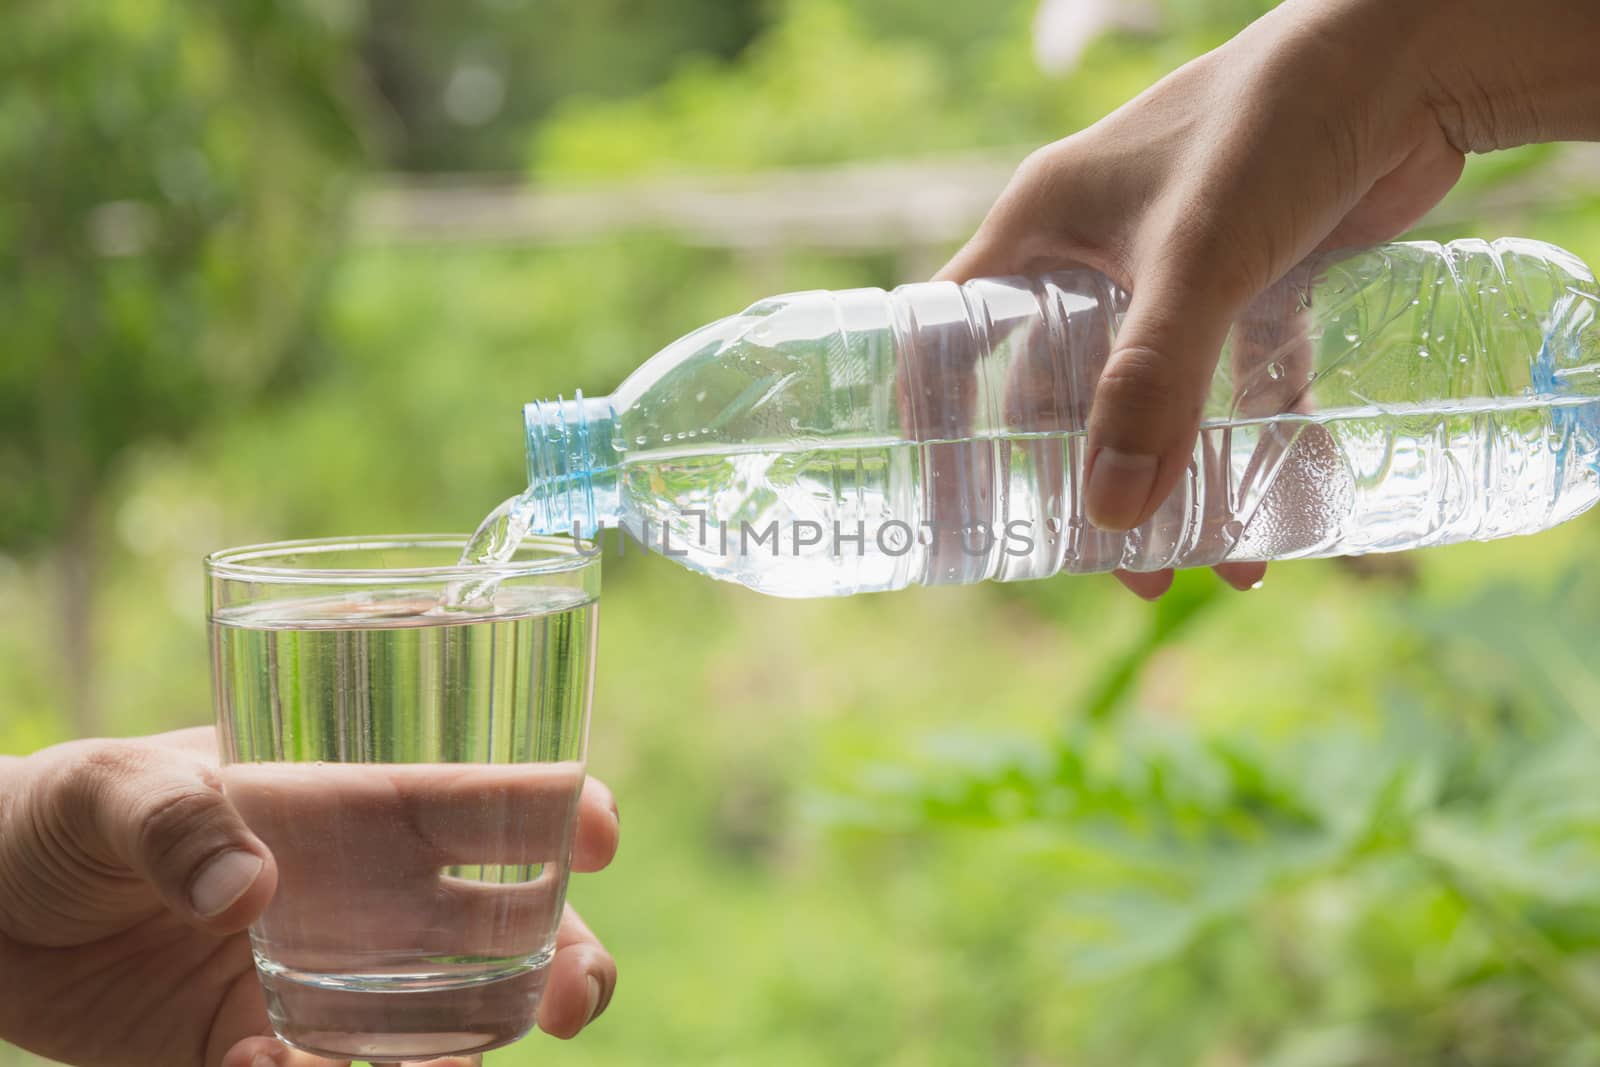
(594, 1000)
(1118, 489)
(262, 1059)
(223, 881)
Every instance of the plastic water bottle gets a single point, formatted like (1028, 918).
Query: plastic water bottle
(827, 443)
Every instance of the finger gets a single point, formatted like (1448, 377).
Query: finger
(1028, 232)
(163, 816)
(1273, 368)
(1242, 576)
(992, 250)
(980, 257)
(938, 393)
(270, 1052)
(1147, 404)
(1055, 213)
(200, 741)
(418, 816)
(488, 918)
(1151, 585)
(599, 828)
(408, 889)
(1399, 200)
(444, 916)
(239, 1026)
(582, 980)
(1288, 497)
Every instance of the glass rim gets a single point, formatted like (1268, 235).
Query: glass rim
(562, 555)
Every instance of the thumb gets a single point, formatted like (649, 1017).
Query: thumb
(162, 813)
(1150, 396)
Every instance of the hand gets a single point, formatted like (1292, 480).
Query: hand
(1327, 123)
(126, 883)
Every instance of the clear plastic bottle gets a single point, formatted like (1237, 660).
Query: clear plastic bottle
(827, 443)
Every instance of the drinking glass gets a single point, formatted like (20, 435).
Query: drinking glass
(413, 757)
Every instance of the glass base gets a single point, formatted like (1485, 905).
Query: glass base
(402, 1017)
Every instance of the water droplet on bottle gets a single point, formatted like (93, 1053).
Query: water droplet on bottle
(1416, 300)
(641, 440)
(1275, 371)
(1463, 359)
(1494, 289)
(1350, 334)
(1233, 529)
(1422, 353)
(701, 395)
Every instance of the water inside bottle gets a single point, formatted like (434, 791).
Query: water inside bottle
(871, 515)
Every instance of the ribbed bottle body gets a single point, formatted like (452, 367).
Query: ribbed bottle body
(827, 443)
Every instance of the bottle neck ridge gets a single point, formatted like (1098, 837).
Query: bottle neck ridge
(572, 464)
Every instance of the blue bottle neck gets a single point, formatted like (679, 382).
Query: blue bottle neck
(572, 465)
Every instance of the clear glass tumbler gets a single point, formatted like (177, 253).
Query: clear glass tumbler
(414, 767)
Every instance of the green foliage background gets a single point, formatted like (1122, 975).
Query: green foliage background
(1350, 819)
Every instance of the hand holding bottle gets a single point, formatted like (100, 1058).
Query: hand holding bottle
(1326, 123)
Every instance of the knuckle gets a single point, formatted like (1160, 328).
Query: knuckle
(1210, 248)
(110, 759)
(1143, 391)
(77, 782)
(1139, 377)
(1036, 168)
(1037, 219)
(1214, 251)
(170, 819)
(1043, 176)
